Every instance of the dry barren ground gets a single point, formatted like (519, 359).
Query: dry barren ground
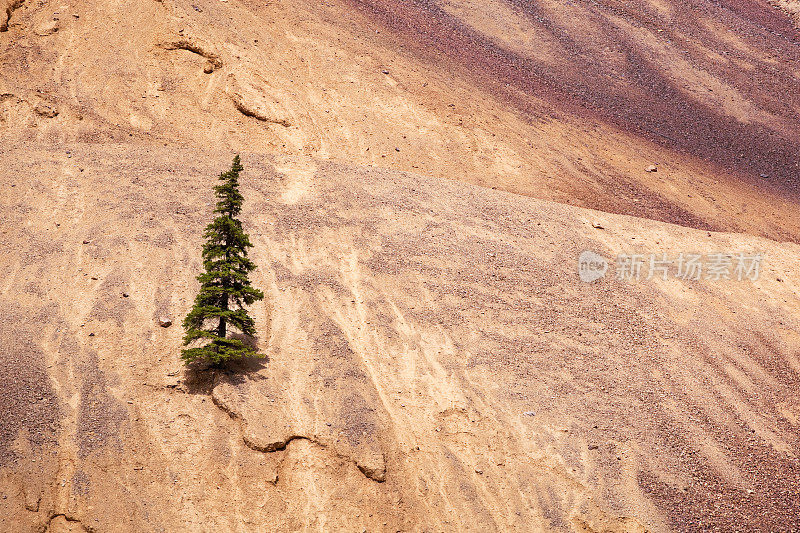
(555, 99)
(434, 361)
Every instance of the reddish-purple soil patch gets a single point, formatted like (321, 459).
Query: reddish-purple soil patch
(646, 101)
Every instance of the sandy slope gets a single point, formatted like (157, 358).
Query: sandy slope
(564, 101)
(411, 324)
(435, 363)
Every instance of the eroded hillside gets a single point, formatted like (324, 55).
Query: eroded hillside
(557, 100)
(434, 362)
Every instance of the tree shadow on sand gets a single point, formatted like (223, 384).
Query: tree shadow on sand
(200, 377)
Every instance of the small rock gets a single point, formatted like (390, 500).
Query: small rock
(91, 334)
(529, 413)
(46, 28)
(208, 68)
(651, 168)
(125, 294)
(373, 467)
(44, 110)
(593, 446)
(478, 471)
(164, 322)
(597, 225)
(85, 242)
(32, 502)
(384, 71)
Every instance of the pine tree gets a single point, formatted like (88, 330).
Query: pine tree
(224, 286)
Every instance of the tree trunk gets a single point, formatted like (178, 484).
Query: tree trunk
(222, 330)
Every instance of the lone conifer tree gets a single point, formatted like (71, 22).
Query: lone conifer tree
(224, 286)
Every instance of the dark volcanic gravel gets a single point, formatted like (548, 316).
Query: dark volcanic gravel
(28, 405)
(645, 97)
